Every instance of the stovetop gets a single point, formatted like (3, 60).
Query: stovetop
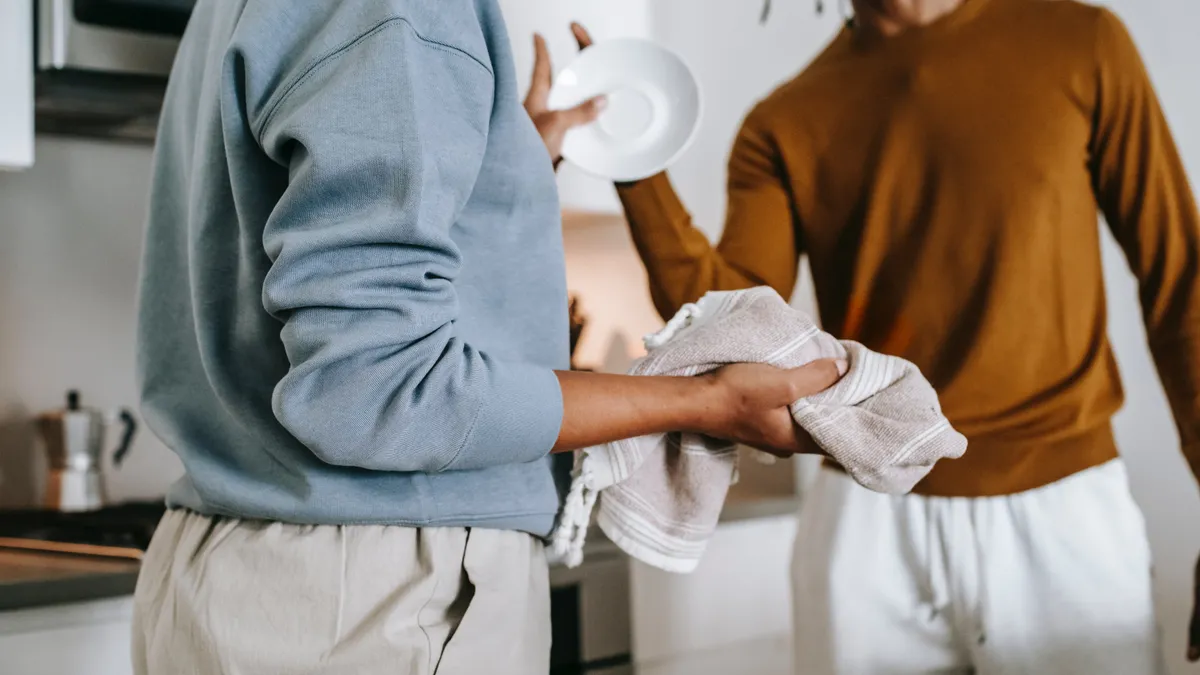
(121, 531)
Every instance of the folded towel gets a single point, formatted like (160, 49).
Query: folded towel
(661, 496)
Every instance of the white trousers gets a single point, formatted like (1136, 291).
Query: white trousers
(1056, 580)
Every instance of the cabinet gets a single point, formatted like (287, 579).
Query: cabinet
(16, 85)
(739, 597)
(85, 639)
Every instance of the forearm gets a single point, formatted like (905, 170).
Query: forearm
(759, 245)
(681, 263)
(600, 408)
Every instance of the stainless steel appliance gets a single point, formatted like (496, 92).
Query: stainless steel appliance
(74, 439)
(103, 64)
(110, 36)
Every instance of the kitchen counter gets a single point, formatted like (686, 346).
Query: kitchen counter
(745, 507)
(29, 579)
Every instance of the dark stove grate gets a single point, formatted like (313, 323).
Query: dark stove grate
(125, 526)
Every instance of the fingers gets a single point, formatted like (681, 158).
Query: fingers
(543, 79)
(797, 442)
(582, 37)
(800, 442)
(539, 88)
(816, 377)
(585, 113)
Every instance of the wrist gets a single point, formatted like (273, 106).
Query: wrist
(705, 404)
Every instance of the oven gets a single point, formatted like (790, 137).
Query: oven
(136, 37)
(102, 65)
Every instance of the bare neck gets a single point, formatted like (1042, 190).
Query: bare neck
(892, 17)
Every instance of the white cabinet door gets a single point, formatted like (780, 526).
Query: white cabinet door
(85, 639)
(100, 649)
(738, 596)
(16, 84)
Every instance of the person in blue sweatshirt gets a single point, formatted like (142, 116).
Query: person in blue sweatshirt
(353, 331)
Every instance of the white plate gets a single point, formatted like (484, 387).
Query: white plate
(654, 107)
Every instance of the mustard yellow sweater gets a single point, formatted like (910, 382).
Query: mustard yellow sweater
(945, 184)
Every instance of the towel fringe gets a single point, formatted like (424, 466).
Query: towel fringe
(682, 319)
(569, 537)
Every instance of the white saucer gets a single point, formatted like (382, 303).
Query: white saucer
(653, 112)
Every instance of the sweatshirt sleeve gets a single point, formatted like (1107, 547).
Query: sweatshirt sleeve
(382, 141)
(1143, 190)
(758, 246)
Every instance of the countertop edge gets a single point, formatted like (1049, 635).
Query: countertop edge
(64, 591)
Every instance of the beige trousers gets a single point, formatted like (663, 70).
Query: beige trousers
(229, 597)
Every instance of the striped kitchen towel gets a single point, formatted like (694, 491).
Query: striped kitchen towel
(660, 497)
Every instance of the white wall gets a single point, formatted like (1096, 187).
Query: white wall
(70, 240)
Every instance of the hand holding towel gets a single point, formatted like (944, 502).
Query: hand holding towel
(660, 497)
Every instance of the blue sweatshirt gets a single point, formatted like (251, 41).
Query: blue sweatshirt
(353, 289)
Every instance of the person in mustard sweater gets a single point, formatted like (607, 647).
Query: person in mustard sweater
(942, 164)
